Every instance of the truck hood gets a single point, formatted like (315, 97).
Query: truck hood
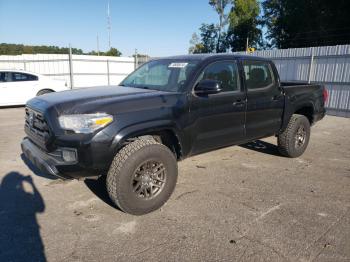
(108, 99)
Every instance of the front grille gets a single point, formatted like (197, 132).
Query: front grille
(36, 127)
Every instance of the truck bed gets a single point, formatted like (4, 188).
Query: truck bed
(303, 98)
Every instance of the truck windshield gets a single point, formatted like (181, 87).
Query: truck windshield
(162, 75)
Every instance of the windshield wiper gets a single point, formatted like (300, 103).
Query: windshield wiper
(143, 87)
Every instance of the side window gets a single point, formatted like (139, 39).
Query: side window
(258, 74)
(5, 77)
(224, 71)
(23, 77)
(31, 77)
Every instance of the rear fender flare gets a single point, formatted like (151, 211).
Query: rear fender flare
(290, 110)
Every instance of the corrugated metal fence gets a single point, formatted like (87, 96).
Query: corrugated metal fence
(328, 65)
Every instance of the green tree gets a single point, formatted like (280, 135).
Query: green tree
(209, 35)
(113, 52)
(220, 6)
(306, 23)
(244, 23)
(93, 52)
(208, 40)
(18, 49)
(243, 20)
(194, 44)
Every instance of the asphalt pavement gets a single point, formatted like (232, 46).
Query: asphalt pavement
(241, 203)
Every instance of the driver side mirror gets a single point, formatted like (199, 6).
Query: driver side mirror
(207, 87)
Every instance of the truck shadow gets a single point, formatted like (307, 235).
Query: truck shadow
(262, 147)
(36, 170)
(20, 201)
(98, 187)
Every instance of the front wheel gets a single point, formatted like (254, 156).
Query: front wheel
(142, 176)
(295, 138)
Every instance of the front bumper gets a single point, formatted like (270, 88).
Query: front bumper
(52, 164)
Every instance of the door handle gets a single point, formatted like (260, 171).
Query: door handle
(239, 102)
(276, 97)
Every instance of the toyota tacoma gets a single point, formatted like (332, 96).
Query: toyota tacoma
(167, 110)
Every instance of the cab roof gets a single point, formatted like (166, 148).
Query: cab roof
(213, 56)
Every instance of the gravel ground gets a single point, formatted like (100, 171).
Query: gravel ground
(240, 203)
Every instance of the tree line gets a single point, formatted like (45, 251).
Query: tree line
(273, 24)
(18, 49)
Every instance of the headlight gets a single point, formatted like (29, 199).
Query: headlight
(84, 123)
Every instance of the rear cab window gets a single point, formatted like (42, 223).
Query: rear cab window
(258, 75)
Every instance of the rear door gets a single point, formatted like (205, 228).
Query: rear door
(265, 99)
(218, 119)
(26, 84)
(21, 87)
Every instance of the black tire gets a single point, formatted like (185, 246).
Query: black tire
(127, 166)
(43, 92)
(295, 138)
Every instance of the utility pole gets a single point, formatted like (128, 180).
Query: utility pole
(109, 24)
(98, 45)
(311, 67)
(247, 45)
(136, 59)
(70, 61)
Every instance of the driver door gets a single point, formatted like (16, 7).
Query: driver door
(218, 119)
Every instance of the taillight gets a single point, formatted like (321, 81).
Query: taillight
(325, 94)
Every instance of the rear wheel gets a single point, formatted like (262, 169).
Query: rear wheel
(295, 138)
(142, 176)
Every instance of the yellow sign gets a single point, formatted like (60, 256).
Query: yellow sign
(251, 50)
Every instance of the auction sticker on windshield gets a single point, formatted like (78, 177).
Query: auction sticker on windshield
(177, 65)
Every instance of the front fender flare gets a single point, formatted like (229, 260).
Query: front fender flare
(145, 128)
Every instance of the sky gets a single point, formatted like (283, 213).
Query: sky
(153, 27)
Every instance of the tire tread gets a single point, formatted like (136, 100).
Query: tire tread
(285, 137)
(114, 173)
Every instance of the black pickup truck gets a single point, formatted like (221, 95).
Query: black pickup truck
(167, 110)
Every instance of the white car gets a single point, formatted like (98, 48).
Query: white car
(18, 86)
